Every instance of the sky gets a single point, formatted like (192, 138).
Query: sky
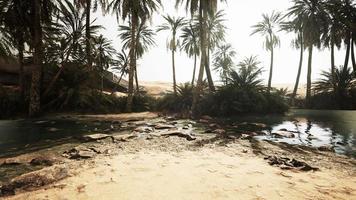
(156, 65)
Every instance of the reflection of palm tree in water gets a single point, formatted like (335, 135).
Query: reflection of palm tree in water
(296, 124)
(307, 130)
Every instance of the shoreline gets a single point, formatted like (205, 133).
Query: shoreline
(153, 166)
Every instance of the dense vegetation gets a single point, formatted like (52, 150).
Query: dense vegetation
(69, 58)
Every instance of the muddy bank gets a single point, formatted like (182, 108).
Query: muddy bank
(173, 159)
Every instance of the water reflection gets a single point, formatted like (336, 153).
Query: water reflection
(314, 128)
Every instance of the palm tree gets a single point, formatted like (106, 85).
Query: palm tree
(103, 55)
(248, 75)
(344, 81)
(296, 27)
(223, 61)
(202, 8)
(313, 17)
(173, 25)
(72, 30)
(87, 5)
(190, 44)
(121, 64)
(136, 10)
(267, 28)
(144, 40)
(216, 35)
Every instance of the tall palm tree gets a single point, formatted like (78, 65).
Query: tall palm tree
(136, 10)
(296, 27)
(223, 61)
(173, 25)
(202, 8)
(267, 28)
(216, 35)
(313, 17)
(190, 44)
(144, 40)
(87, 5)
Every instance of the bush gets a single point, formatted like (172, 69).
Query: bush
(10, 103)
(226, 101)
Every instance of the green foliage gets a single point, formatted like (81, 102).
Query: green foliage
(182, 102)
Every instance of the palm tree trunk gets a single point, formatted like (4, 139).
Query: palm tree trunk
(308, 94)
(102, 83)
(299, 71)
(203, 27)
(207, 66)
(134, 22)
(136, 79)
(353, 42)
(348, 48)
(21, 74)
(87, 33)
(195, 67)
(35, 96)
(270, 72)
(174, 73)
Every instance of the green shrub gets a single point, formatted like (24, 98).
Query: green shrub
(10, 103)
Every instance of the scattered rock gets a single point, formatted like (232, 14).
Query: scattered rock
(35, 179)
(79, 153)
(326, 148)
(144, 129)
(287, 163)
(11, 161)
(251, 126)
(43, 160)
(206, 117)
(203, 121)
(94, 137)
(219, 131)
(125, 137)
(164, 126)
(283, 134)
(179, 134)
(214, 126)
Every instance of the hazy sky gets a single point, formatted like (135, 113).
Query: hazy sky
(240, 15)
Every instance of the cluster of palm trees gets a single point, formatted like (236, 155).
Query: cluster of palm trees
(60, 32)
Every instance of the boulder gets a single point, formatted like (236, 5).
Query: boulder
(11, 161)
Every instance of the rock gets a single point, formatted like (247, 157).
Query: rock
(206, 117)
(35, 179)
(179, 134)
(245, 137)
(79, 153)
(219, 131)
(52, 129)
(214, 126)
(124, 138)
(144, 129)
(252, 126)
(286, 163)
(43, 160)
(94, 137)
(244, 151)
(11, 161)
(203, 121)
(283, 134)
(164, 126)
(326, 148)
(185, 127)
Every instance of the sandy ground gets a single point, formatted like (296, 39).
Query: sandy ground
(158, 169)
